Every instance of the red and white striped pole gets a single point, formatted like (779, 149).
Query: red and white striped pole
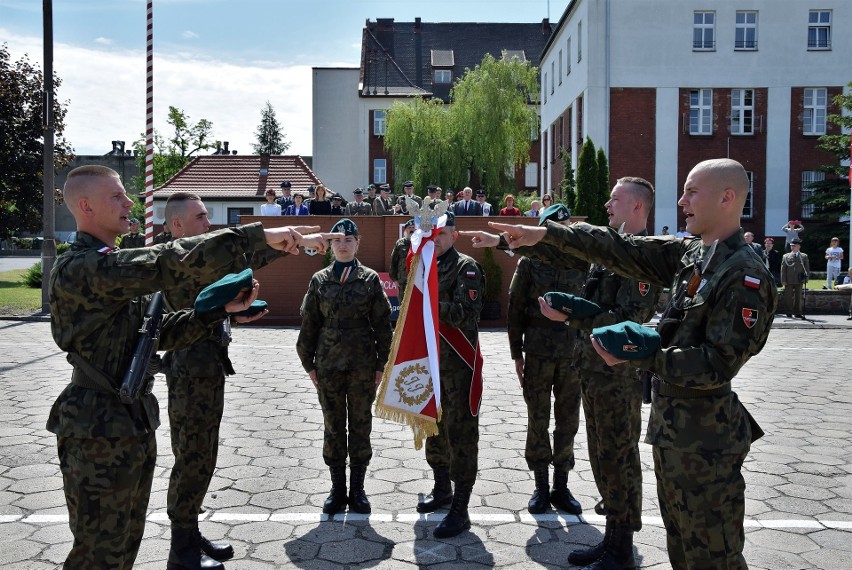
(149, 132)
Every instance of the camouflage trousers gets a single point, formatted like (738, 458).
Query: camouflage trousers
(347, 394)
(613, 409)
(195, 412)
(702, 502)
(543, 376)
(457, 444)
(794, 298)
(107, 482)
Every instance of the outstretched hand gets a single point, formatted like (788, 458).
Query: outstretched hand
(480, 239)
(319, 241)
(518, 235)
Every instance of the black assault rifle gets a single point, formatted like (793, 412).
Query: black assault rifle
(134, 378)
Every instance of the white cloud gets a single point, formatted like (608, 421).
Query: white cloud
(104, 41)
(106, 94)
(189, 35)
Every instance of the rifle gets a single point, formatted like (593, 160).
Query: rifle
(149, 332)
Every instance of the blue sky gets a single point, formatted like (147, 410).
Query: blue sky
(217, 59)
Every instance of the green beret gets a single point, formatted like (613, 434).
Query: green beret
(556, 213)
(451, 219)
(572, 305)
(628, 340)
(218, 294)
(346, 227)
(255, 308)
(409, 223)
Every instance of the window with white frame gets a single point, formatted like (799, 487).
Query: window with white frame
(442, 76)
(703, 31)
(746, 30)
(531, 175)
(379, 122)
(819, 29)
(808, 178)
(748, 207)
(579, 42)
(544, 87)
(742, 111)
(814, 109)
(552, 73)
(380, 171)
(560, 67)
(701, 112)
(568, 55)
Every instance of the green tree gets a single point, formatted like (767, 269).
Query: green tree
(484, 133)
(587, 182)
(269, 134)
(171, 155)
(568, 185)
(22, 151)
(604, 188)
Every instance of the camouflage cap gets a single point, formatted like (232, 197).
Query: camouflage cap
(572, 305)
(346, 227)
(255, 308)
(628, 340)
(555, 213)
(218, 294)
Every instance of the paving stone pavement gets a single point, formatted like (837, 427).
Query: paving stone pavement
(270, 483)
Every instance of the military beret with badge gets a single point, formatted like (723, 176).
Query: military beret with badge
(628, 340)
(451, 219)
(346, 227)
(572, 305)
(221, 292)
(555, 213)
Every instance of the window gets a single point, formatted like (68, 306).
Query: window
(813, 116)
(235, 213)
(544, 88)
(379, 122)
(808, 178)
(579, 42)
(443, 76)
(701, 112)
(819, 29)
(742, 111)
(552, 73)
(560, 67)
(746, 32)
(380, 171)
(748, 207)
(552, 143)
(568, 55)
(531, 175)
(704, 31)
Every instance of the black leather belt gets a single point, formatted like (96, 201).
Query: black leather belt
(347, 323)
(663, 388)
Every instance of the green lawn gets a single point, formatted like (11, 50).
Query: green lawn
(15, 298)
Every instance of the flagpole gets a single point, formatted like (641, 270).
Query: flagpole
(149, 130)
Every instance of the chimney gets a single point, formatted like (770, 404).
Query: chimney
(384, 24)
(120, 147)
(262, 175)
(225, 147)
(234, 153)
(418, 26)
(545, 27)
(128, 152)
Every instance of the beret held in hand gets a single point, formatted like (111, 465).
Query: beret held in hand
(572, 305)
(223, 291)
(255, 308)
(628, 340)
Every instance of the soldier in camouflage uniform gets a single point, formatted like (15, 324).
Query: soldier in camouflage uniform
(345, 306)
(722, 308)
(107, 450)
(133, 238)
(397, 270)
(196, 386)
(547, 368)
(453, 453)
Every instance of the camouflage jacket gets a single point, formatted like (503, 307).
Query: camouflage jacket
(129, 241)
(97, 306)
(345, 325)
(724, 324)
(207, 357)
(396, 271)
(461, 284)
(529, 330)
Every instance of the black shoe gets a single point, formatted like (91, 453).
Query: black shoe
(600, 508)
(185, 552)
(336, 500)
(789, 316)
(618, 551)
(442, 492)
(800, 316)
(560, 497)
(220, 551)
(457, 520)
(358, 501)
(589, 555)
(540, 500)
(849, 318)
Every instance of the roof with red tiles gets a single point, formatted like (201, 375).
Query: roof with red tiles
(239, 176)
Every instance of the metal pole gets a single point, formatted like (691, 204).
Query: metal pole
(48, 247)
(149, 133)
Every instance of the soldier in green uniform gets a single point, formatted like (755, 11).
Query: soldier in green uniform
(542, 351)
(107, 450)
(795, 271)
(723, 304)
(134, 238)
(196, 386)
(453, 453)
(397, 270)
(358, 206)
(345, 306)
(164, 236)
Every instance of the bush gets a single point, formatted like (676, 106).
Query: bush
(32, 277)
(62, 248)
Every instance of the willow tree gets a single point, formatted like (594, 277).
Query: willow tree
(484, 133)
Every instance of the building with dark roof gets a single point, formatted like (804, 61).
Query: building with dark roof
(401, 60)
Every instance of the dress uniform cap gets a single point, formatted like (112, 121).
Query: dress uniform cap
(556, 213)
(221, 292)
(628, 340)
(285, 184)
(337, 197)
(408, 184)
(384, 188)
(346, 227)
(255, 308)
(796, 241)
(133, 221)
(312, 189)
(358, 192)
(577, 307)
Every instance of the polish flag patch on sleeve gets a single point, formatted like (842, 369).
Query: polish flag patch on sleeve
(470, 274)
(752, 282)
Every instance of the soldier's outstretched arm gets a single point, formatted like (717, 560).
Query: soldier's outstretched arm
(520, 235)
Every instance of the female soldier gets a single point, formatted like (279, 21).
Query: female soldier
(320, 205)
(345, 306)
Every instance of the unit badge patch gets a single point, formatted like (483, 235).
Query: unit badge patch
(644, 288)
(749, 317)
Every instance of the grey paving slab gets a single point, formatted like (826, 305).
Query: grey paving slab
(266, 495)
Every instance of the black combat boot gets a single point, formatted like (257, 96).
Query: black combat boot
(336, 500)
(186, 554)
(457, 519)
(358, 501)
(540, 500)
(442, 492)
(600, 508)
(220, 551)
(618, 553)
(560, 497)
(589, 555)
